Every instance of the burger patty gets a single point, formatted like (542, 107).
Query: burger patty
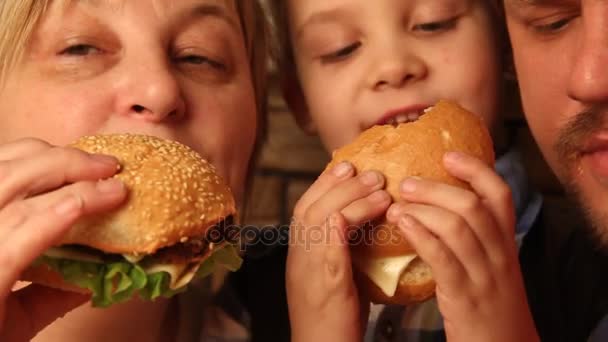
(193, 250)
(197, 248)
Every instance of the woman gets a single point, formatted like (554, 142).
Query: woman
(186, 70)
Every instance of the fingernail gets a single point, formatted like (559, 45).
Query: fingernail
(452, 157)
(370, 178)
(342, 169)
(105, 159)
(112, 185)
(69, 206)
(409, 185)
(379, 197)
(392, 212)
(406, 222)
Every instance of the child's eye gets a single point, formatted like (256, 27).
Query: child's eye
(435, 26)
(202, 60)
(80, 50)
(554, 26)
(341, 53)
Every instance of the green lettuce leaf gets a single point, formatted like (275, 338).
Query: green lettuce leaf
(117, 282)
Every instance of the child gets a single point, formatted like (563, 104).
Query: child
(345, 64)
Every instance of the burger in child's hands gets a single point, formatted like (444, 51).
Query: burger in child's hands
(391, 271)
(171, 230)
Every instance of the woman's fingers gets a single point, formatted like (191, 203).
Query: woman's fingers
(98, 196)
(23, 148)
(37, 227)
(50, 169)
(488, 185)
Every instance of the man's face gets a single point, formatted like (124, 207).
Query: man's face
(561, 56)
(174, 69)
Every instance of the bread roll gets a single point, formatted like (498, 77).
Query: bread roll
(395, 275)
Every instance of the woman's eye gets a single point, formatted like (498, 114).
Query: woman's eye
(201, 60)
(552, 27)
(80, 50)
(436, 26)
(341, 53)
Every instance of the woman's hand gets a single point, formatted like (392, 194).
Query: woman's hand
(43, 191)
(467, 237)
(323, 302)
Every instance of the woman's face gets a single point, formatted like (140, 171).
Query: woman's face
(174, 69)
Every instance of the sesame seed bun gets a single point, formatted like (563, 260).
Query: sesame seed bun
(412, 149)
(173, 194)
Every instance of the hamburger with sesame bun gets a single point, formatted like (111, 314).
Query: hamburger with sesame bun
(388, 269)
(172, 229)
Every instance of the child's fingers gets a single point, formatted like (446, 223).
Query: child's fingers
(324, 182)
(336, 256)
(453, 232)
(367, 208)
(341, 195)
(464, 203)
(488, 185)
(447, 269)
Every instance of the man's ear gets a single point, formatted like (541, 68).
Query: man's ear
(293, 95)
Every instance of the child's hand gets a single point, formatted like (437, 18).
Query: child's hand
(323, 300)
(468, 240)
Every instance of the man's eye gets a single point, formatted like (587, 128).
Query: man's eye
(341, 53)
(200, 60)
(80, 50)
(552, 27)
(436, 26)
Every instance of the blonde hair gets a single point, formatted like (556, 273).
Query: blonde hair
(18, 19)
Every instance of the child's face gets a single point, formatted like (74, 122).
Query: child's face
(362, 62)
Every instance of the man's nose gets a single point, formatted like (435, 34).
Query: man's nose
(150, 91)
(396, 67)
(589, 75)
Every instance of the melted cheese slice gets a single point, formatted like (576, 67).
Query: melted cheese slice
(385, 272)
(181, 274)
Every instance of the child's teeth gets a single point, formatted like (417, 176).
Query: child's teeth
(401, 118)
(413, 116)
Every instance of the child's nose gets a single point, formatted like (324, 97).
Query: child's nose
(398, 71)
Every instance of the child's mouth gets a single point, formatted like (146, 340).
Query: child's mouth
(405, 117)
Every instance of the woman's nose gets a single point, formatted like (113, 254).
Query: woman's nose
(151, 92)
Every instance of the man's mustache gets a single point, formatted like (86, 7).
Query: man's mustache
(574, 135)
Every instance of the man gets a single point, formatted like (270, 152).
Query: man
(560, 50)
